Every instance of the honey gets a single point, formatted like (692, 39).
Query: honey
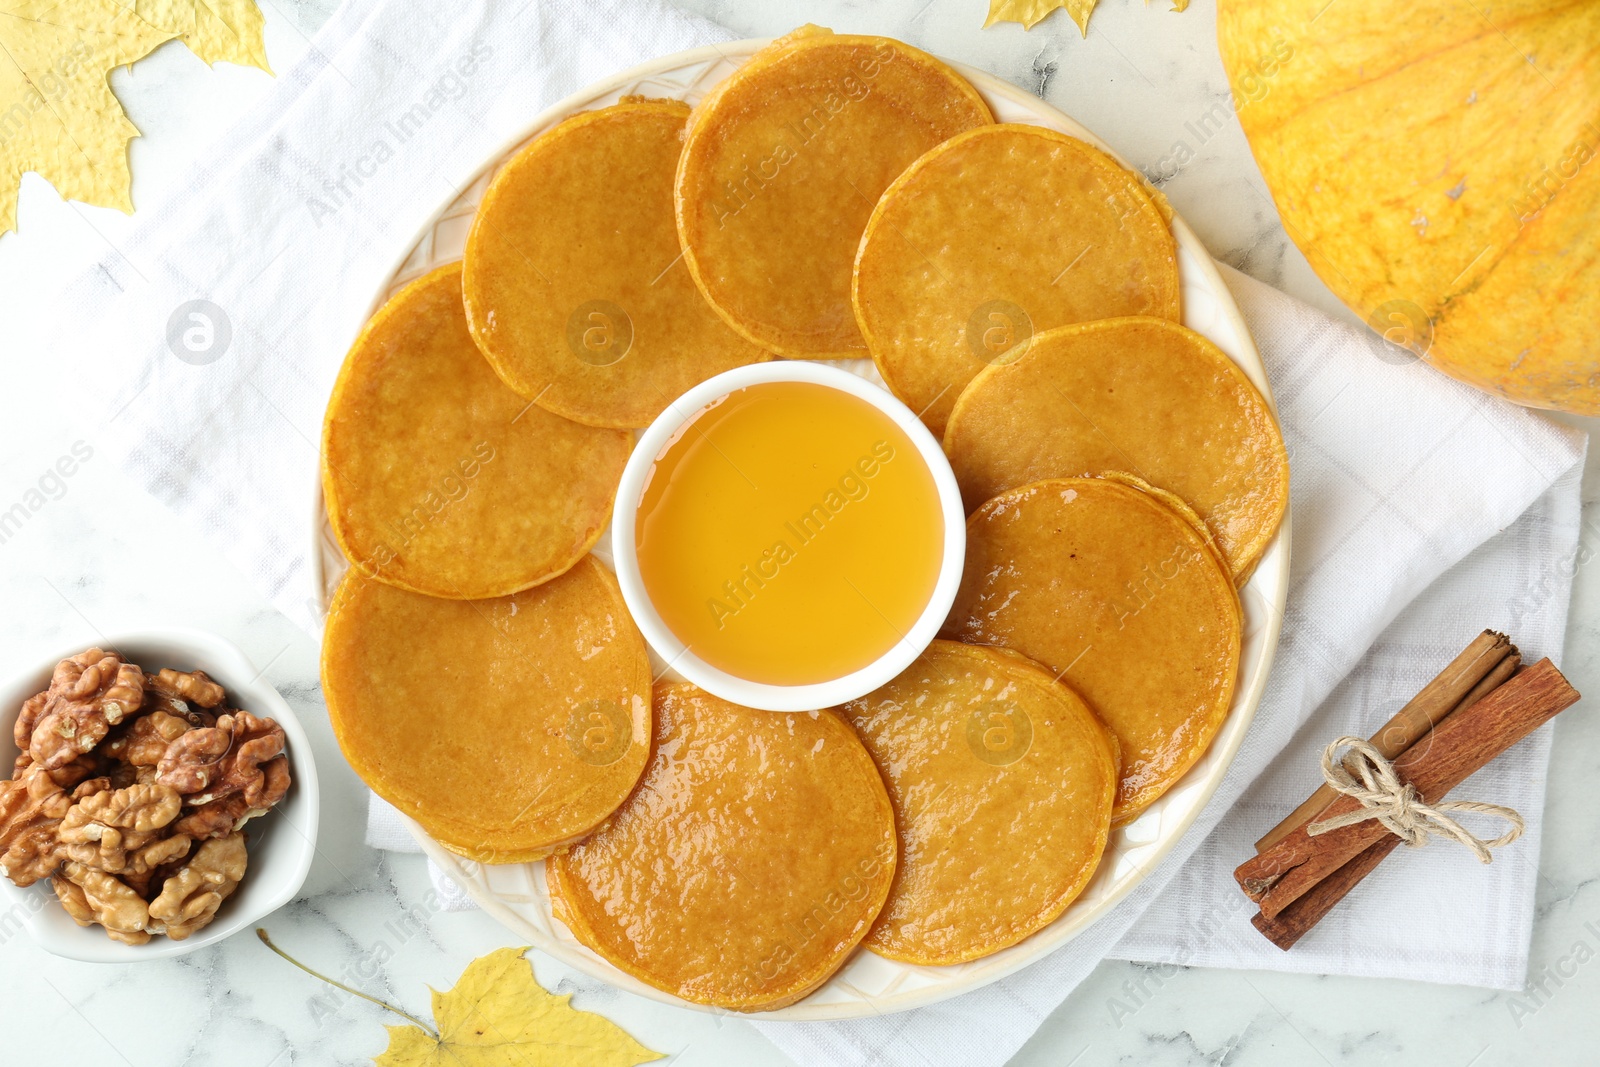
(790, 533)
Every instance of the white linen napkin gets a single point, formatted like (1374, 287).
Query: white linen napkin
(1398, 473)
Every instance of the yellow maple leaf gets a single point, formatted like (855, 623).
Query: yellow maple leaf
(1030, 12)
(57, 113)
(498, 1015)
(218, 31)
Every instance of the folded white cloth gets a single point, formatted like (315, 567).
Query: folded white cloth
(1399, 475)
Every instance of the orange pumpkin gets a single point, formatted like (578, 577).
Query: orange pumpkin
(1435, 161)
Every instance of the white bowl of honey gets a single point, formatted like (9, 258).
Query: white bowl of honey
(788, 535)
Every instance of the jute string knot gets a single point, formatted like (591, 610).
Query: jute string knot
(1383, 796)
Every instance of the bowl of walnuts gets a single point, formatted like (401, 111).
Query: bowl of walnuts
(159, 795)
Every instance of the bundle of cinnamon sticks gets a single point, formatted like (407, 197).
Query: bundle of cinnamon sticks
(1484, 702)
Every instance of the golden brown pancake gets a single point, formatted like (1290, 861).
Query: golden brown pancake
(998, 234)
(1002, 782)
(1126, 600)
(506, 727)
(783, 162)
(573, 286)
(746, 867)
(1141, 395)
(439, 479)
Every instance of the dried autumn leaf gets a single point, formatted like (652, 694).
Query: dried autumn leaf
(1030, 12)
(217, 31)
(498, 1015)
(57, 114)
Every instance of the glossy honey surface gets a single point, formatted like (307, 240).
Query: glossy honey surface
(790, 534)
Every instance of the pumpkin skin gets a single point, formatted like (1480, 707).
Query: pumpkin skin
(1421, 160)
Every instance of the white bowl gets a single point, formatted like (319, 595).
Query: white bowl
(624, 550)
(282, 842)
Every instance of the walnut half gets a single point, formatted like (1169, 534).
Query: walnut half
(89, 693)
(122, 830)
(93, 896)
(230, 757)
(191, 895)
(30, 810)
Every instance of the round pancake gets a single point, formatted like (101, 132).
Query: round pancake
(994, 236)
(1142, 395)
(782, 164)
(573, 287)
(506, 727)
(1121, 597)
(439, 479)
(749, 863)
(1002, 782)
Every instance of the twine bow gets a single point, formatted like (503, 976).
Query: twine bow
(1396, 804)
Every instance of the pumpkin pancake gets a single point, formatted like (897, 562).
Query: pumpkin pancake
(781, 166)
(1137, 394)
(439, 479)
(750, 862)
(572, 284)
(1123, 599)
(506, 727)
(1000, 233)
(1002, 782)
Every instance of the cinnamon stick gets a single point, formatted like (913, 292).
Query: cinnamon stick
(1459, 746)
(1297, 919)
(1493, 680)
(1437, 700)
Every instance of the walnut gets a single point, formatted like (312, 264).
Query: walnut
(63, 735)
(190, 897)
(93, 896)
(194, 686)
(146, 738)
(190, 762)
(32, 854)
(89, 693)
(30, 810)
(121, 829)
(207, 765)
(28, 718)
(138, 807)
(138, 858)
(101, 681)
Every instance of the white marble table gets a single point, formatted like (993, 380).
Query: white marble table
(100, 556)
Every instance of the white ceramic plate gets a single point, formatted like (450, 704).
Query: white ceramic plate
(869, 985)
(282, 842)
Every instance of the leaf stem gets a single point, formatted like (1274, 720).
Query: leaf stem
(265, 940)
